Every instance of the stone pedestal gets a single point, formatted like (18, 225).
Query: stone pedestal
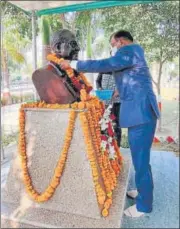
(74, 203)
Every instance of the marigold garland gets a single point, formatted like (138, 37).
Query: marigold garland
(91, 156)
(91, 129)
(100, 163)
(70, 72)
(48, 193)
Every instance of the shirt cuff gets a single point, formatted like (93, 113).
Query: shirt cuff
(73, 64)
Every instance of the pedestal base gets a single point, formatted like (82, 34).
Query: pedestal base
(74, 203)
(13, 216)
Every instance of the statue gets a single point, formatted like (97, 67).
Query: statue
(51, 82)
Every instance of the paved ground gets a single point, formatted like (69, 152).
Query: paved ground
(165, 167)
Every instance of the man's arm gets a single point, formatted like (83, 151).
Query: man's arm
(123, 59)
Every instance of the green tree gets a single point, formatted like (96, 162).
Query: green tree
(84, 25)
(45, 32)
(54, 22)
(19, 17)
(101, 47)
(13, 39)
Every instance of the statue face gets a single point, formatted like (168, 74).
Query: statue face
(64, 44)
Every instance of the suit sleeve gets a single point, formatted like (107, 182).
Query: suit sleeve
(122, 60)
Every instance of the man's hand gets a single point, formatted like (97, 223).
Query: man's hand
(65, 64)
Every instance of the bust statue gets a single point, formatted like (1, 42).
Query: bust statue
(64, 44)
(51, 82)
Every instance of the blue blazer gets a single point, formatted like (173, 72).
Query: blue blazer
(133, 81)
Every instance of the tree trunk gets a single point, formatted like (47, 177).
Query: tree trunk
(45, 40)
(73, 23)
(63, 21)
(89, 40)
(5, 71)
(158, 85)
(89, 49)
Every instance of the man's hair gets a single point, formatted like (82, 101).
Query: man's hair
(124, 34)
(112, 35)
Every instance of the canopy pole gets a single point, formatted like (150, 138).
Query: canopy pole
(34, 45)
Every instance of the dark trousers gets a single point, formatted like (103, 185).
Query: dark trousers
(140, 141)
(117, 129)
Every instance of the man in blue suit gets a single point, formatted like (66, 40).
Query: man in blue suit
(139, 110)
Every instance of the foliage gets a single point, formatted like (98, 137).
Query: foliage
(45, 30)
(15, 34)
(9, 138)
(54, 22)
(26, 97)
(87, 23)
(83, 26)
(18, 17)
(12, 48)
(45, 33)
(155, 26)
(101, 47)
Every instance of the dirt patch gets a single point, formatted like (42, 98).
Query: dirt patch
(173, 147)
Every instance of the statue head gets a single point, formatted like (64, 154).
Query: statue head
(64, 44)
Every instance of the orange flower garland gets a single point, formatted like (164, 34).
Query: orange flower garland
(91, 129)
(100, 163)
(91, 156)
(70, 73)
(90, 123)
(48, 193)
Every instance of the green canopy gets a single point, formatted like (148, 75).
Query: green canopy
(90, 6)
(54, 7)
